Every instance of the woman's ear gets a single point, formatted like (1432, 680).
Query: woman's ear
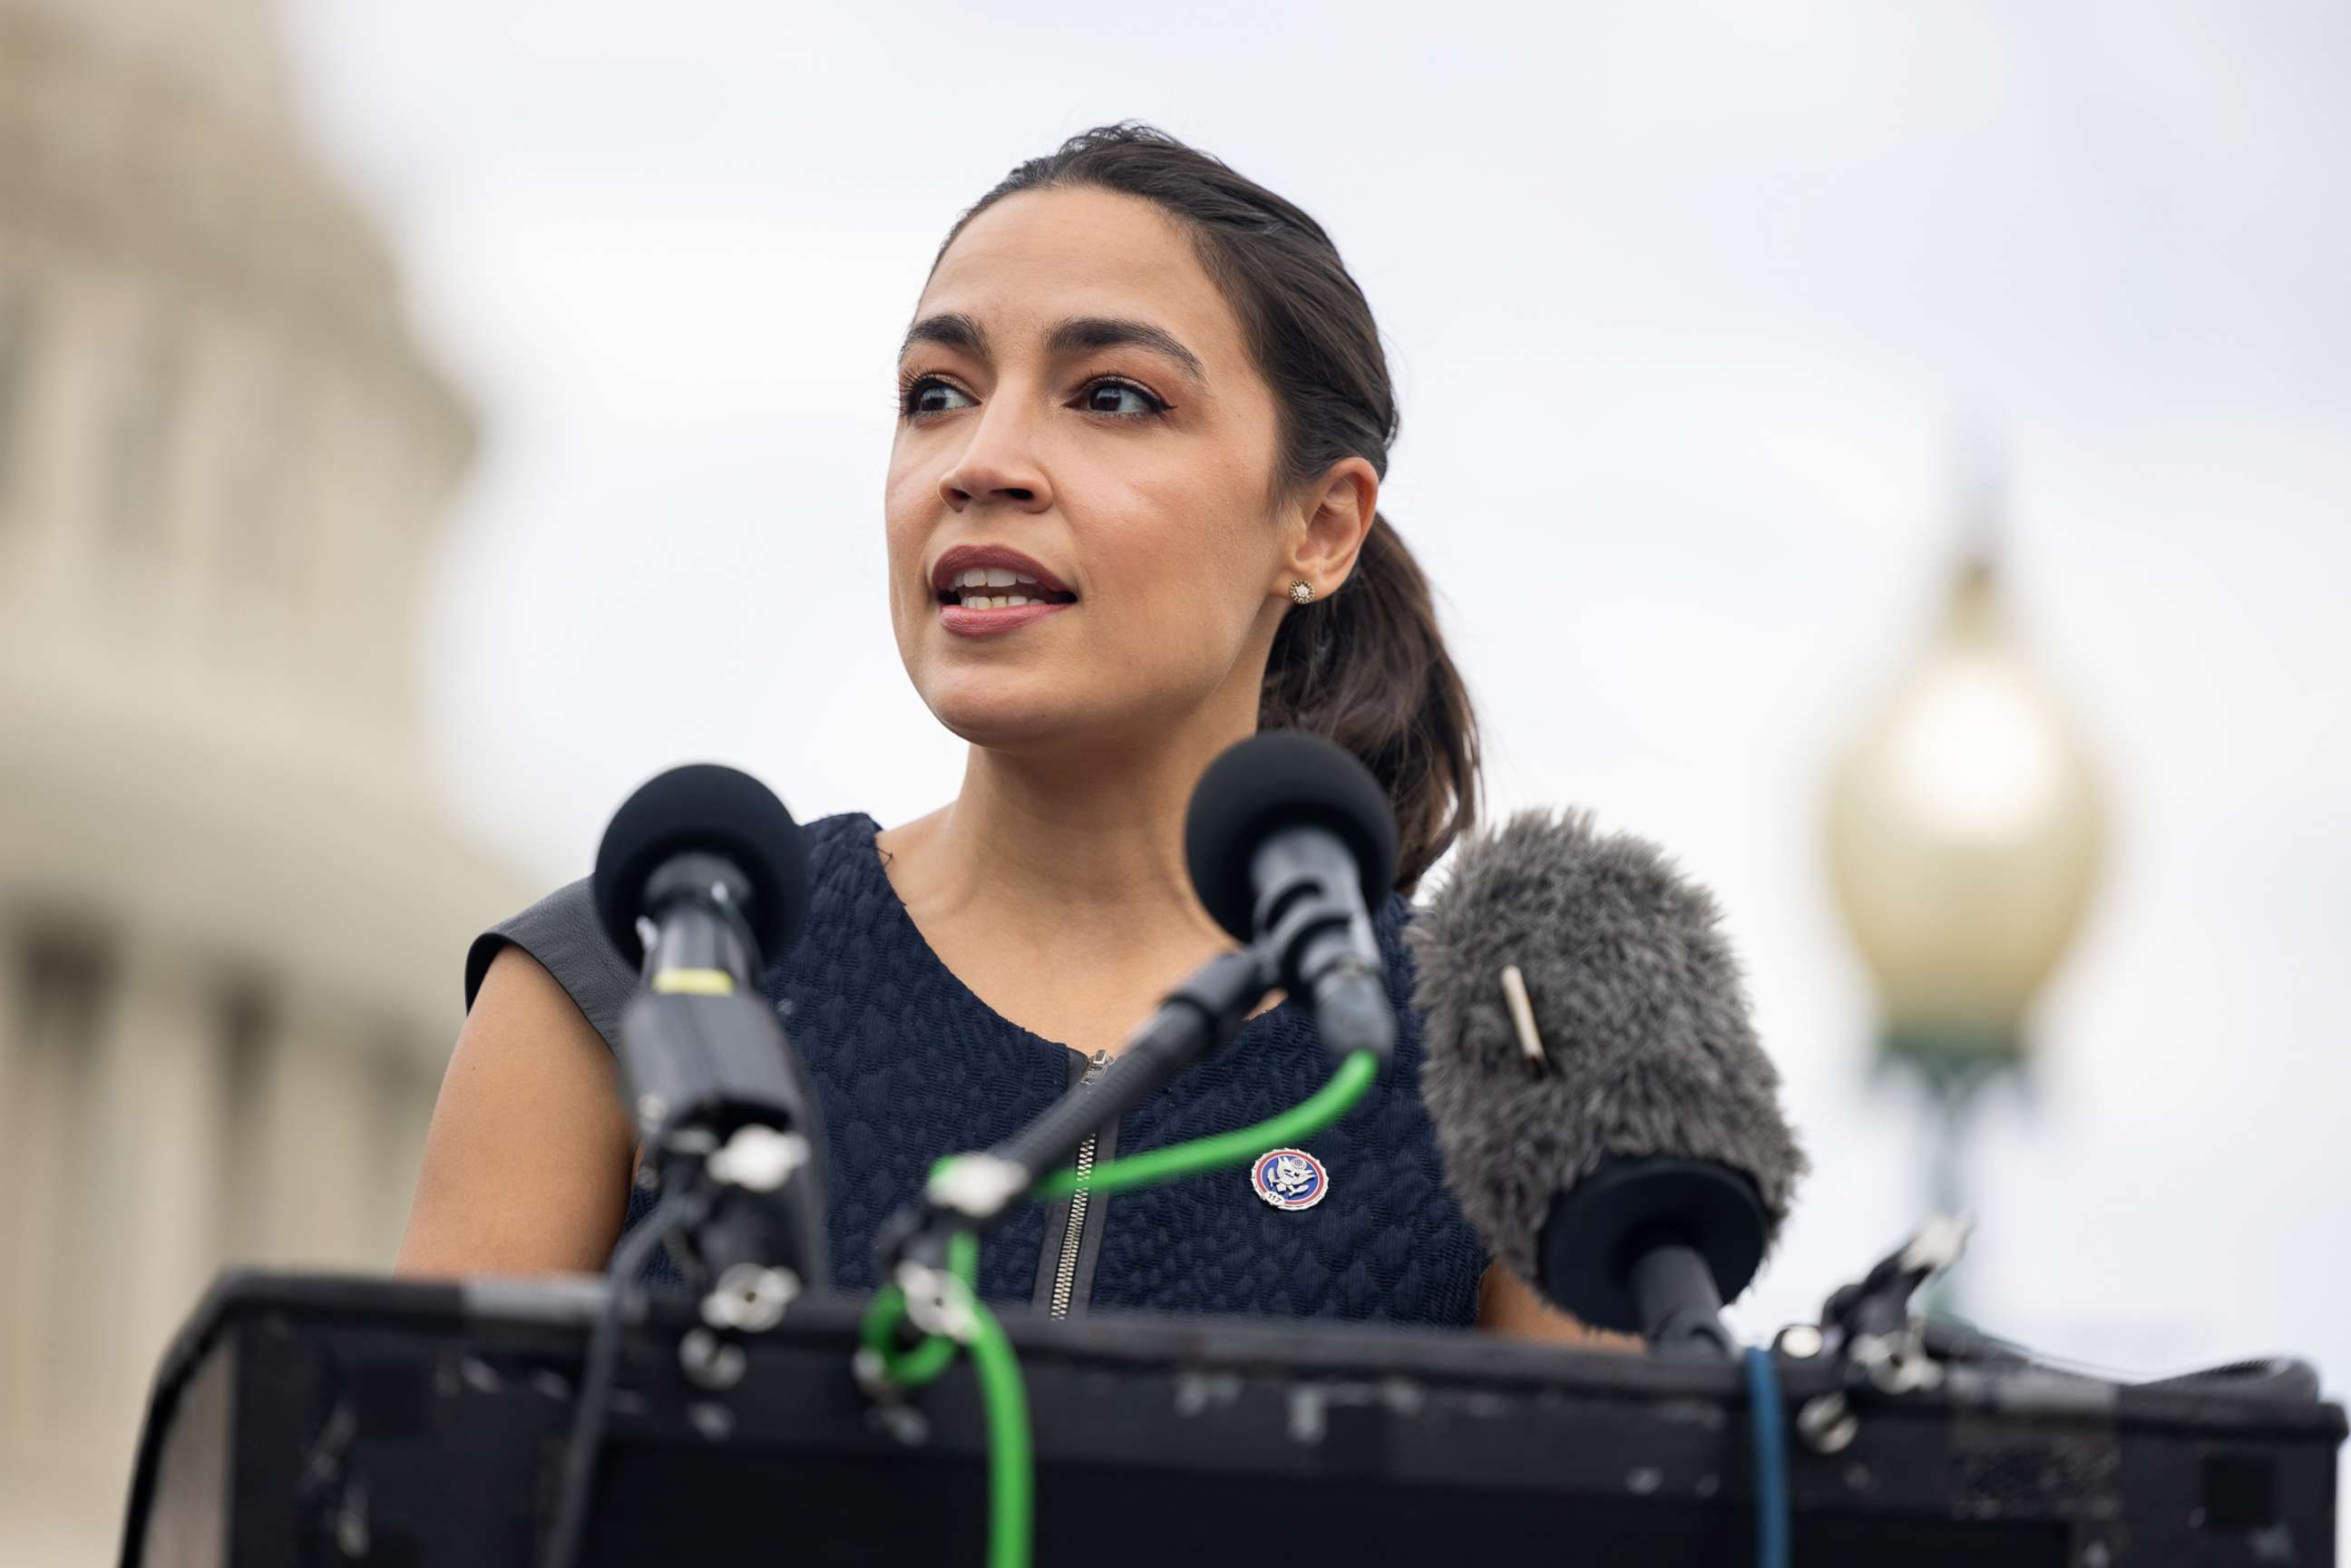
(1332, 522)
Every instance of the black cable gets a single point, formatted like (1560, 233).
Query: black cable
(1956, 1339)
(676, 1210)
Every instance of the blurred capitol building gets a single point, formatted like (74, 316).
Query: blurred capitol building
(231, 918)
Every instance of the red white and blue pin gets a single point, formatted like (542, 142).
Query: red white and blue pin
(1289, 1178)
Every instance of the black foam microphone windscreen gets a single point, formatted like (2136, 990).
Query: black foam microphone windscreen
(1281, 779)
(1640, 1010)
(708, 808)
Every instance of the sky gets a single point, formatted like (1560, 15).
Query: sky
(1693, 311)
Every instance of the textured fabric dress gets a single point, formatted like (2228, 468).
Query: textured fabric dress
(908, 1065)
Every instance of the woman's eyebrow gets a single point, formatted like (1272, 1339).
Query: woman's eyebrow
(1077, 335)
(952, 330)
(1081, 334)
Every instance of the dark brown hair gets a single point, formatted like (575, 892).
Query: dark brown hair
(1365, 667)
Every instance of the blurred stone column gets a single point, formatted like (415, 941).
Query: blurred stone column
(316, 1121)
(47, 1098)
(49, 1486)
(151, 1210)
(27, 1102)
(14, 1001)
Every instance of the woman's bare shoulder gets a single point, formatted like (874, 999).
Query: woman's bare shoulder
(527, 1163)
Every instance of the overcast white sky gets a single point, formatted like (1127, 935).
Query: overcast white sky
(1685, 303)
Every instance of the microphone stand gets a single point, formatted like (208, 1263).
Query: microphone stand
(727, 1123)
(1197, 1019)
(721, 1115)
(720, 1100)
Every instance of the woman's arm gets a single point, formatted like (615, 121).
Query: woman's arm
(1506, 1305)
(527, 1163)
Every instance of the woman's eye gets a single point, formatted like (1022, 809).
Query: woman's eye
(932, 395)
(1121, 398)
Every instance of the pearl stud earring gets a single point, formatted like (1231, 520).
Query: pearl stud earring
(1302, 591)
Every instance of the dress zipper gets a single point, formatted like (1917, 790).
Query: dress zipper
(1065, 1273)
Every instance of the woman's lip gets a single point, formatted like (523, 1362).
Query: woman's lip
(968, 622)
(963, 557)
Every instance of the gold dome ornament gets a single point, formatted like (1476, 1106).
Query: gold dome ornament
(1302, 591)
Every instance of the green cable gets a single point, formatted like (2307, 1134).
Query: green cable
(1011, 1473)
(1238, 1147)
(927, 1361)
(922, 1365)
(1011, 1476)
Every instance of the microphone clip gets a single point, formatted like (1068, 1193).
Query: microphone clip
(1870, 1319)
(1868, 1326)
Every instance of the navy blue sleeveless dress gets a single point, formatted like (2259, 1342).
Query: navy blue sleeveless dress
(908, 1065)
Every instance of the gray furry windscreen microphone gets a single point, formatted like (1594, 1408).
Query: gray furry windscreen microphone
(1649, 1062)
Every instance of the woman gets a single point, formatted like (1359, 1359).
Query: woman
(1131, 517)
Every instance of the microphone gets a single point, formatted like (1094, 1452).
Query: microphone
(701, 875)
(711, 857)
(1607, 1119)
(1290, 841)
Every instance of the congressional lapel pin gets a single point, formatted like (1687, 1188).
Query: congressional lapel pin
(1289, 1178)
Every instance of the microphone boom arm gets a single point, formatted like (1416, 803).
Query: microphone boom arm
(1197, 1019)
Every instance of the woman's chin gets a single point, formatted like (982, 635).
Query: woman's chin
(1007, 714)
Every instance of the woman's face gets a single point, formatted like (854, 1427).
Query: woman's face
(1079, 408)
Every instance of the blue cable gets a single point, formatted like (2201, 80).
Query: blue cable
(1764, 1406)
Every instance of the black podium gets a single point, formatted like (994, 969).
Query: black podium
(303, 1420)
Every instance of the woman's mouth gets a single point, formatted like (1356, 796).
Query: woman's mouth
(986, 600)
(998, 588)
(984, 589)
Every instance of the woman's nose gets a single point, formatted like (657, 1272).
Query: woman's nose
(999, 465)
